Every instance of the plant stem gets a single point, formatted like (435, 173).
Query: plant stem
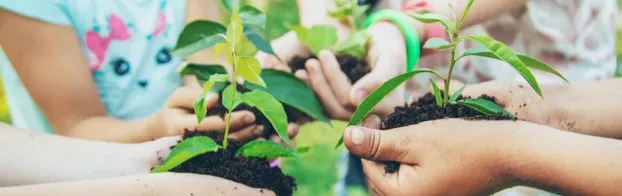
(225, 140)
(448, 79)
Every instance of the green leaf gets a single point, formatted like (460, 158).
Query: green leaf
(252, 16)
(197, 36)
(219, 78)
(249, 69)
(464, 13)
(186, 150)
(234, 31)
(438, 44)
(348, 9)
(230, 4)
(504, 53)
(428, 17)
(528, 61)
(271, 108)
(354, 45)
(454, 97)
(321, 37)
(200, 106)
(302, 33)
(223, 48)
(292, 91)
(484, 106)
(437, 93)
(302, 150)
(379, 93)
(264, 149)
(257, 37)
(226, 98)
(203, 72)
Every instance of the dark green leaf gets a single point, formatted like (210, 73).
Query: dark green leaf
(200, 106)
(437, 93)
(438, 44)
(354, 45)
(484, 106)
(504, 53)
(219, 78)
(528, 61)
(455, 96)
(186, 150)
(230, 4)
(264, 149)
(257, 37)
(291, 91)
(249, 69)
(252, 16)
(226, 98)
(197, 36)
(321, 37)
(302, 150)
(379, 93)
(203, 72)
(271, 108)
(465, 12)
(428, 17)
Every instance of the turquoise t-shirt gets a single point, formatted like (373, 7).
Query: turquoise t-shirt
(126, 43)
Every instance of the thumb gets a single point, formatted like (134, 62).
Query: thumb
(375, 145)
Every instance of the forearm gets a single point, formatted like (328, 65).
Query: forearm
(104, 128)
(565, 162)
(31, 158)
(146, 184)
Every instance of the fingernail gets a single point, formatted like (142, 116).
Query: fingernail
(356, 136)
(249, 119)
(275, 163)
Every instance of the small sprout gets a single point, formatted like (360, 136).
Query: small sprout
(323, 37)
(491, 49)
(268, 149)
(347, 9)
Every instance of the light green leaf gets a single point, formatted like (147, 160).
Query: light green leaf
(484, 106)
(230, 4)
(200, 106)
(264, 149)
(379, 93)
(354, 45)
(302, 33)
(249, 69)
(428, 17)
(321, 37)
(252, 16)
(454, 97)
(257, 37)
(292, 91)
(504, 53)
(437, 93)
(528, 61)
(302, 150)
(438, 44)
(348, 9)
(186, 150)
(197, 36)
(223, 48)
(226, 98)
(464, 13)
(271, 108)
(234, 31)
(219, 78)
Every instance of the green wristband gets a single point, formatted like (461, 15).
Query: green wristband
(413, 47)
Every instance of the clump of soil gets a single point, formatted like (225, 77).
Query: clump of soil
(353, 67)
(425, 109)
(253, 172)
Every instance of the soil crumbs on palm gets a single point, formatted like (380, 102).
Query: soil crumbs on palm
(253, 172)
(425, 109)
(353, 67)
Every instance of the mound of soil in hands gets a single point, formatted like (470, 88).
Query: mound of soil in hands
(292, 114)
(253, 172)
(425, 109)
(353, 67)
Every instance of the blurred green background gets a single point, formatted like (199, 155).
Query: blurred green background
(316, 171)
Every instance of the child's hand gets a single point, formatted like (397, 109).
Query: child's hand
(177, 116)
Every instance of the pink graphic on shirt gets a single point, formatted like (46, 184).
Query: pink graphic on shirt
(99, 45)
(161, 24)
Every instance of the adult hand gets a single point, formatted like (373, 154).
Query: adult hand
(444, 157)
(387, 57)
(177, 116)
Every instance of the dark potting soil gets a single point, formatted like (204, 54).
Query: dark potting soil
(253, 172)
(353, 67)
(425, 109)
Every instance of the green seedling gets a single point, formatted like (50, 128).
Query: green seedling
(200, 35)
(489, 48)
(348, 9)
(324, 37)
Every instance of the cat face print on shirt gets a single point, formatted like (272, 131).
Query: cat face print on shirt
(133, 68)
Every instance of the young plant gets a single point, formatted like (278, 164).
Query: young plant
(348, 8)
(322, 37)
(491, 49)
(200, 35)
